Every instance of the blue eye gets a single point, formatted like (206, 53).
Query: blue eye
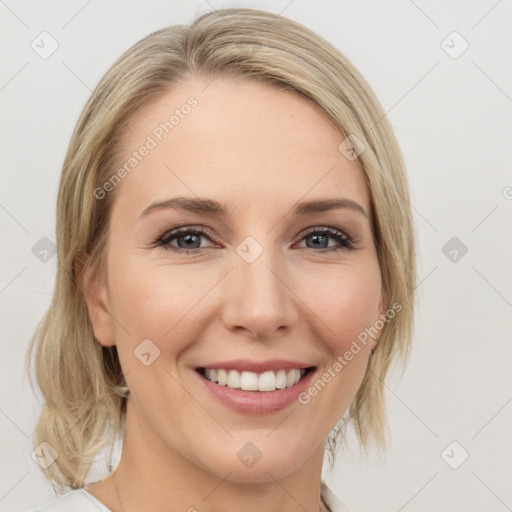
(320, 239)
(188, 239)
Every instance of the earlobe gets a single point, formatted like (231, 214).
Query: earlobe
(94, 290)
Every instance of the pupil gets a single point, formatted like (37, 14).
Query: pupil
(316, 238)
(189, 238)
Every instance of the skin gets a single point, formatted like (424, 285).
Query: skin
(258, 150)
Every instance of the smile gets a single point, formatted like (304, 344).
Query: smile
(251, 381)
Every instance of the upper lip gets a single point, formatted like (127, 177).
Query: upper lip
(257, 366)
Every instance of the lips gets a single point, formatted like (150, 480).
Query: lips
(255, 402)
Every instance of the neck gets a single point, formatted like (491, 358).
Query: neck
(153, 476)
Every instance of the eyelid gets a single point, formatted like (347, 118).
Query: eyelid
(323, 227)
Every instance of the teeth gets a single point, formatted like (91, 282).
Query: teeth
(267, 381)
(233, 379)
(222, 377)
(281, 380)
(250, 381)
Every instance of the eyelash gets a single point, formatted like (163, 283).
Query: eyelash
(164, 241)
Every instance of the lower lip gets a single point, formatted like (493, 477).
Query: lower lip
(257, 402)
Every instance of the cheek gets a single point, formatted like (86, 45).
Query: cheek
(344, 307)
(156, 302)
(152, 299)
(345, 302)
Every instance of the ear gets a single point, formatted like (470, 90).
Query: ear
(94, 288)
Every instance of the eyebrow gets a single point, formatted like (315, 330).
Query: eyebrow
(212, 207)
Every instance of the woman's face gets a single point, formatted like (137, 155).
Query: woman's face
(256, 285)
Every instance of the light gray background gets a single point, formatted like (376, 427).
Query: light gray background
(453, 120)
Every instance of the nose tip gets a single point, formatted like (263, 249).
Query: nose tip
(256, 297)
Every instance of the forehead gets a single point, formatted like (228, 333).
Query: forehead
(238, 141)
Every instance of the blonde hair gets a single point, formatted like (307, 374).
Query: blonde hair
(82, 381)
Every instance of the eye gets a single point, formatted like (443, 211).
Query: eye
(188, 239)
(319, 239)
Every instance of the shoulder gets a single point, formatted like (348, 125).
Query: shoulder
(333, 500)
(76, 500)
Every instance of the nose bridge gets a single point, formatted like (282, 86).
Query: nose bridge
(257, 297)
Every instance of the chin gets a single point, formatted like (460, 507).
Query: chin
(248, 464)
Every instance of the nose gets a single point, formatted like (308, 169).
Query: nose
(258, 298)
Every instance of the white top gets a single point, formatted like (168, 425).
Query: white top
(79, 500)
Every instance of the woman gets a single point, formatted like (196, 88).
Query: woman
(236, 273)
